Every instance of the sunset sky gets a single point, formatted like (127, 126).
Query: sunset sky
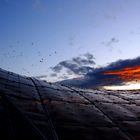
(38, 35)
(128, 74)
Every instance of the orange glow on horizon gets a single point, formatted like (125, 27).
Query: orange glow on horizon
(126, 86)
(126, 74)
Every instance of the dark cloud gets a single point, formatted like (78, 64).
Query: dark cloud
(100, 77)
(41, 76)
(57, 68)
(89, 56)
(78, 65)
(116, 73)
(82, 61)
(69, 72)
(53, 75)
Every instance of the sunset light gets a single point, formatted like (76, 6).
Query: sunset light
(126, 74)
(127, 86)
(129, 75)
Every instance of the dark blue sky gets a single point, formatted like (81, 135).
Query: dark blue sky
(37, 34)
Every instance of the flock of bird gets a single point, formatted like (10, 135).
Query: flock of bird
(13, 53)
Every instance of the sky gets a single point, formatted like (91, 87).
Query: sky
(37, 36)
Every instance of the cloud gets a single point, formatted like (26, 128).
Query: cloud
(78, 65)
(57, 68)
(41, 76)
(89, 56)
(64, 77)
(81, 61)
(116, 73)
(67, 69)
(53, 75)
(126, 74)
(83, 67)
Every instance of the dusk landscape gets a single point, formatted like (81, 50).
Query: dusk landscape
(70, 69)
(66, 40)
